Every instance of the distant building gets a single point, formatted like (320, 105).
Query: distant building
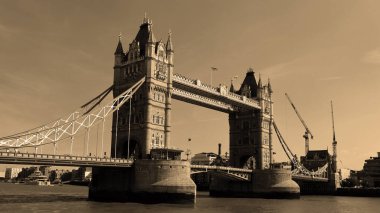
(45, 170)
(204, 158)
(282, 165)
(371, 171)
(11, 173)
(55, 175)
(82, 174)
(315, 159)
(345, 173)
(25, 172)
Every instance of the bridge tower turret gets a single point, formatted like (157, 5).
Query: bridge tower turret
(146, 125)
(249, 129)
(119, 57)
(265, 121)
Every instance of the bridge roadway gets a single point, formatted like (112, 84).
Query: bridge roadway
(68, 160)
(220, 98)
(61, 160)
(92, 161)
(309, 178)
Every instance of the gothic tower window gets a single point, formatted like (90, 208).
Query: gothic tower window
(245, 125)
(157, 141)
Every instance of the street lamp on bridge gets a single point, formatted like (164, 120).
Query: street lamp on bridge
(212, 70)
(188, 152)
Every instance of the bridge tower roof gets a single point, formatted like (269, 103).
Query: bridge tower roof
(250, 81)
(169, 43)
(145, 35)
(119, 49)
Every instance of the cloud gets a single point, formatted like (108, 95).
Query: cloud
(5, 31)
(372, 57)
(4, 28)
(280, 69)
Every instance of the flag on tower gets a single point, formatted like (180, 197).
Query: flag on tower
(214, 69)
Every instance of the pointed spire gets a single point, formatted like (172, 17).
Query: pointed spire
(169, 44)
(119, 48)
(259, 84)
(333, 125)
(269, 86)
(151, 38)
(146, 20)
(232, 89)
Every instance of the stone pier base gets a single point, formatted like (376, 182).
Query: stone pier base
(148, 181)
(111, 184)
(263, 184)
(311, 187)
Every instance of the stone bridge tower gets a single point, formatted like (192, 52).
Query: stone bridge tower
(151, 104)
(250, 133)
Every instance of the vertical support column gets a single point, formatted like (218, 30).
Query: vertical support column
(71, 145)
(146, 142)
(270, 130)
(102, 152)
(168, 106)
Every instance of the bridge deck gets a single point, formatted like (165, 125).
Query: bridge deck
(309, 178)
(221, 168)
(196, 92)
(61, 160)
(66, 160)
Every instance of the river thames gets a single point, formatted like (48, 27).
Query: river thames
(67, 198)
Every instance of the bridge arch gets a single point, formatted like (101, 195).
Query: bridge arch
(248, 162)
(135, 150)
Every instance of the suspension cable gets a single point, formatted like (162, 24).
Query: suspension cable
(117, 126)
(129, 125)
(65, 127)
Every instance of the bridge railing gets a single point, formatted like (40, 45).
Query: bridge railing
(224, 168)
(63, 157)
(219, 92)
(202, 99)
(197, 83)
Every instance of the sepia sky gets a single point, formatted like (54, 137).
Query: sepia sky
(56, 55)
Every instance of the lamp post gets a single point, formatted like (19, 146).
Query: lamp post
(232, 83)
(188, 152)
(212, 70)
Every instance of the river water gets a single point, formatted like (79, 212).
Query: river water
(72, 199)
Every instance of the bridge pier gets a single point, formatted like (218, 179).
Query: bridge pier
(271, 183)
(148, 181)
(315, 187)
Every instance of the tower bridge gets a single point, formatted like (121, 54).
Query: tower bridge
(143, 163)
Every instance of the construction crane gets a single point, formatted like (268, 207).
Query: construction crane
(334, 143)
(307, 130)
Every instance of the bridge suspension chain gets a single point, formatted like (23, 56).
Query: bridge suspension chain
(69, 126)
(70, 117)
(299, 168)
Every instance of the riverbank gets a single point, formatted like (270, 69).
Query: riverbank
(358, 192)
